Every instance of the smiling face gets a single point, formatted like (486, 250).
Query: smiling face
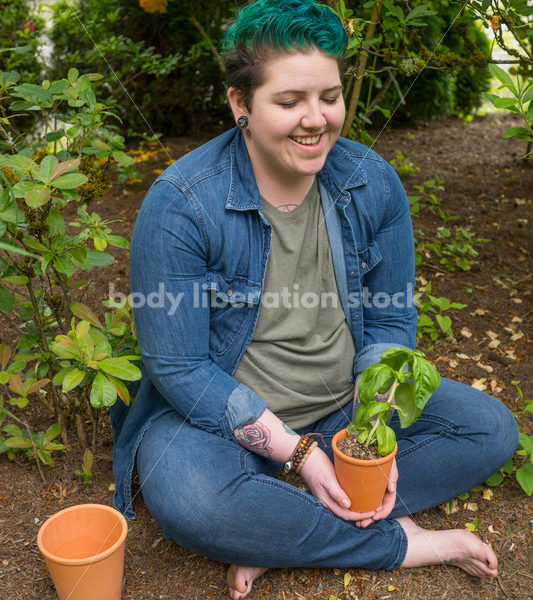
(295, 118)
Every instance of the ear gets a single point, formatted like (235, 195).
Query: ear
(236, 102)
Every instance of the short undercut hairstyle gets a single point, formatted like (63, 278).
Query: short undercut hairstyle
(267, 28)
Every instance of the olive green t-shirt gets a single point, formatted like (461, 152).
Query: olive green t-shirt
(300, 358)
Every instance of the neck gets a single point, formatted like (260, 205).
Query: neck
(278, 189)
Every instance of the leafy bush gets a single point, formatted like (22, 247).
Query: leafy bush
(61, 345)
(160, 70)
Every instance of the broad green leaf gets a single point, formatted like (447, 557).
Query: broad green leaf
(21, 188)
(501, 75)
(405, 400)
(73, 379)
(63, 265)
(372, 379)
(70, 181)
(18, 442)
(19, 162)
(121, 389)
(103, 392)
(16, 279)
(13, 214)
(72, 75)
(37, 385)
(526, 442)
(35, 245)
(48, 164)
(45, 457)
(508, 467)
(37, 196)
(426, 380)
(82, 329)
(99, 244)
(100, 259)
(386, 439)
(7, 301)
(122, 158)
(64, 347)
(33, 93)
(528, 95)
(65, 167)
(505, 103)
(514, 131)
(56, 223)
(121, 368)
(395, 357)
(524, 476)
(12, 430)
(445, 323)
(377, 408)
(84, 312)
(116, 240)
(61, 374)
(52, 432)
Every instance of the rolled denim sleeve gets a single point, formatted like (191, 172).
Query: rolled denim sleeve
(169, 255)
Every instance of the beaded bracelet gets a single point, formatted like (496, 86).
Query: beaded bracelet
(310, 449)
(301, 452)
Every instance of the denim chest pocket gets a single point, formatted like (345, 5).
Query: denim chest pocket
(369, 258)
(232, 303)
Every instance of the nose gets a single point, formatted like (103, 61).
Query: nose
(313, 118)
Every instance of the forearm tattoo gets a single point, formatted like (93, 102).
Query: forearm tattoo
(288, 430)
(255, 437)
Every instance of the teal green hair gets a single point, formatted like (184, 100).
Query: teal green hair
(268, 27)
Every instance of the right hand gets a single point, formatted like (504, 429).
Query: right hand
(319, 474)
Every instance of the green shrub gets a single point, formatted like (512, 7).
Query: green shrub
(62, 355)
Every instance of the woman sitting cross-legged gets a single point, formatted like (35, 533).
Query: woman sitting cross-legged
(286, 257)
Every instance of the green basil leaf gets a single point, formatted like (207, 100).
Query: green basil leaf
(386, 439)
(405, 400)
(372, 379)
(426, 380)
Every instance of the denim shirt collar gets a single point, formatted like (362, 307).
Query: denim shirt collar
(243, 193)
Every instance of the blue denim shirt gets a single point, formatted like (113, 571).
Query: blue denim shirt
(198, 260)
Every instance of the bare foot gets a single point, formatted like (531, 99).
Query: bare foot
(451, 547)
(240, 580)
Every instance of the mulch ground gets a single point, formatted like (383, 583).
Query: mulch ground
(490, 192)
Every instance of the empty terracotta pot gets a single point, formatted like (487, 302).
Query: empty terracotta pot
(83, 547)
(364, 481)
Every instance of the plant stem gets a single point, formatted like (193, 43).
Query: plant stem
(370, 438)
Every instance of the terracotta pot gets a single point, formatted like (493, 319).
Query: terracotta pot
(364, 481)
(83, 547)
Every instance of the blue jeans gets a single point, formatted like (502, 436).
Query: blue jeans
(216, 498)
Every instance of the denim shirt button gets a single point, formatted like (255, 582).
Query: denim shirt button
(363, 265)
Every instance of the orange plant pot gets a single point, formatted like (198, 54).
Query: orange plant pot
(364, 481)
(83, 547)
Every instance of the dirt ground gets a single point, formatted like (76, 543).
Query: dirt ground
(490, 192)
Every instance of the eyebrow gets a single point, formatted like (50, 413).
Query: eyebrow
(301, 92)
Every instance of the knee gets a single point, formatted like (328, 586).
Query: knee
(500, 433)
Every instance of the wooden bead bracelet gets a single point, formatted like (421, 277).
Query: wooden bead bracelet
(303, 449)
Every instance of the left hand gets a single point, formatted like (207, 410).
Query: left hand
(389, 499)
